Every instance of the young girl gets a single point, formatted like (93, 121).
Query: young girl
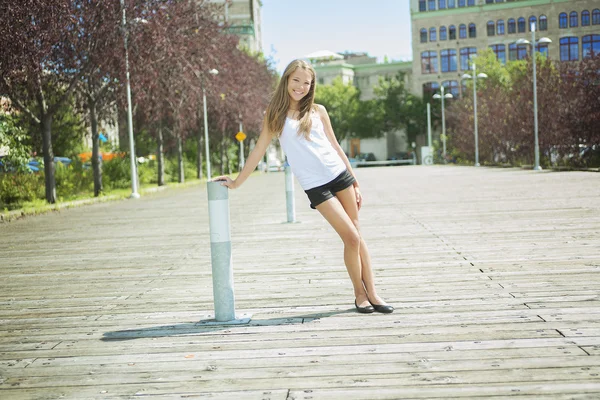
(322, 169)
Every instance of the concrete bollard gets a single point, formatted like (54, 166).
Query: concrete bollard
(220, 251)
(289, 194)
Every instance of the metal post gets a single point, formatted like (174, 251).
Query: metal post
(428, 125)
(134, 183)
(220, 251)
(535, 108)
(242, 161)
(443, 127)
(208, 174)
(289, 194)
(475, 114)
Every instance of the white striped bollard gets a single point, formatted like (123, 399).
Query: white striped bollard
(220, 251)
(289, 194)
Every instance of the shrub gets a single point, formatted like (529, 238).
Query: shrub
(16, 189)
(116, 173)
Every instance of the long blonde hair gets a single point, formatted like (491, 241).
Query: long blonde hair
(280, 102)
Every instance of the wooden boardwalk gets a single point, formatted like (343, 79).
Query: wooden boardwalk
(495, 275)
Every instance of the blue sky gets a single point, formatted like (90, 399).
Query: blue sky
(293, 28)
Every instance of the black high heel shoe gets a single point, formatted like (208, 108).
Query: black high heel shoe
(364, 310)
(382, 308)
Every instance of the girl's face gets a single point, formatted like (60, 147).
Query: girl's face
(299, 84)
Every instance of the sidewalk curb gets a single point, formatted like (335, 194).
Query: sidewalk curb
(21, 213)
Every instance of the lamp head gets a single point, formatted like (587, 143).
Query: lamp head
(437, 96)
(482, 75)
(544, 40)
(467, 76)
(448, 96)
(522, 41)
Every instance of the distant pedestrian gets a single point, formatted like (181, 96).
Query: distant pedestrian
(322, 169)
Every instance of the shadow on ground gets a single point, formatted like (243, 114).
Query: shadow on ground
(208, 326)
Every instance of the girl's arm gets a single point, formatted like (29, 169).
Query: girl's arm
(253, 159)
(331, 136)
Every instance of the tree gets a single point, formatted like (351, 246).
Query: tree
(342, 103)
(401, 109)
(14, 138)
(99, 26)
(49, 48)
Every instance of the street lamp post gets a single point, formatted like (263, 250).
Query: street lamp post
(474, 77)
(442, 97)
(206, 147)
(134, 178)
(533, 45)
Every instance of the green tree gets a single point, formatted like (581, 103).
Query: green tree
(401, 109)
(13, 138)
(342, 103)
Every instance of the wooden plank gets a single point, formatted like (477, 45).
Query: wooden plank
(496, 295)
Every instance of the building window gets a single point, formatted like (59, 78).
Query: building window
(590, 46)
(500, 52)
(431, 5)
(596, 17)
(471, 2)
(500, 27)
(432, 35)
(512, 26)
(585, 18)
(569, 49)
(430, 88)
(562, 21)
(543, 23)
(532, 23)
(422, 5)
(461, 3)
(542, 48)
(573, 19)
(517, 52)
(429, 62)
(462, 31)
(443, 33)
(441, 4)
(451, 3)
(423, 35)
(491, 28)
(452, 32)
(489, 1)
(451, 87)
(466, 55)
(448, 60)
(521, 24)
(472, 31)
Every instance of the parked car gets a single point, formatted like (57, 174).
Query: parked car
(366, 157)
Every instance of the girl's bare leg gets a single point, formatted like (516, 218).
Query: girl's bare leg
(336, 215)
(347, 198)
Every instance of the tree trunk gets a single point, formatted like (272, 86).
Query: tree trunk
(180, 154)
(160, 157)
(97, 168)
(223, 154)
(46, 127)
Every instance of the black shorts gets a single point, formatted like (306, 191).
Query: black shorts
(325, 192)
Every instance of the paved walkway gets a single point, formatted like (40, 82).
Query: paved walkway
(495, 275)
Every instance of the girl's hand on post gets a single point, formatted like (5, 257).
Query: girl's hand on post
(225, 181)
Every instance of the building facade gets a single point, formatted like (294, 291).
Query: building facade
(446, 34)
(244, 20)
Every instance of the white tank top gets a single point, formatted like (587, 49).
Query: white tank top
(314, 162)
